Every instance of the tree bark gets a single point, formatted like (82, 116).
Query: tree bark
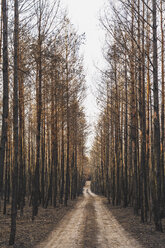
(157, 217)
(5, 94)
(15, 129)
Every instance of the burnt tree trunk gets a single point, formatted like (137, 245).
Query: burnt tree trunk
(5, 94)
(156, 202)
(15, 130)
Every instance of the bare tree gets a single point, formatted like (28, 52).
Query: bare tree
(5, 94)
(15, 128)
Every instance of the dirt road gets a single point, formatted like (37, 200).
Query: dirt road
(89, 225)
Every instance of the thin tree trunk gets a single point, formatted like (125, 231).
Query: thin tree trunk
(5, 94)
(157, 199)
(15, 131)
(67, 181)
(143, 145)
(126, 141)
(162, 110)
(55, 148)
(134, 116)
(36, 179)
(62, 149)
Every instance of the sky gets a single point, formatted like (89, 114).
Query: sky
(84, 14)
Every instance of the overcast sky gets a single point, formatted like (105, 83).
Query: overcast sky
(84, 14)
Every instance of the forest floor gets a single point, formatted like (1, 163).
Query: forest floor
(88, 222)
(28, 233)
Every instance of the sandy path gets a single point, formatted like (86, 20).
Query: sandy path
(111, 234)
(89, 225)
(69, 232)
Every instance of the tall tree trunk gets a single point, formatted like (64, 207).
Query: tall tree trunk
(36, 179)
(148, 110)
(117, 131)
(21, 190)
(134, 115)
(43, 153)
(55, 147)
(107, 148)
(15, 130)
(162, 111)
(144, 165)
(157, 217)
(62, 149)
(67, 181)
(126, 141)
(5, 94)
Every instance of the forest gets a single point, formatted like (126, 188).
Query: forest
(43, 126)
(128, 154)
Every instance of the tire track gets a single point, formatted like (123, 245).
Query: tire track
(110, 233)
(91, 228)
